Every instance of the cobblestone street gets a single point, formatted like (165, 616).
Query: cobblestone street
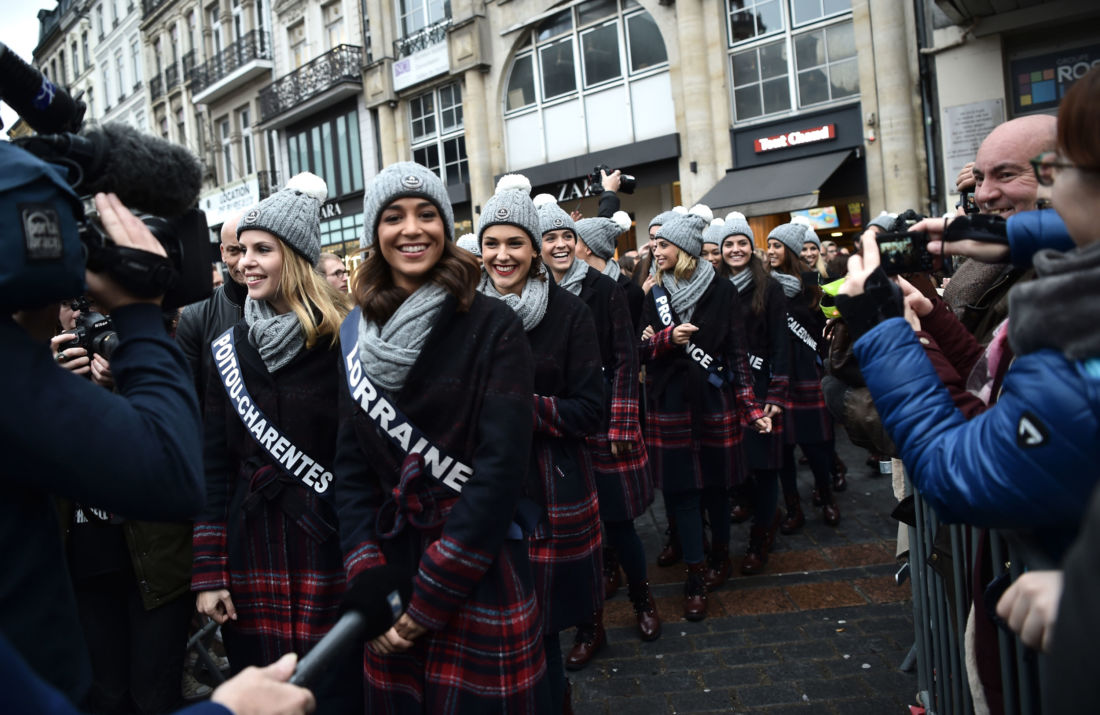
(823, 630)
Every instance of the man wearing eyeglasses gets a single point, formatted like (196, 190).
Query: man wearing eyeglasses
(332, 268)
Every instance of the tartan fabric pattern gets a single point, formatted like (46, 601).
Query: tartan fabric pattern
(210, 570)
(547, 419)
(623, 482)
(807, 419)
(489, 659)
(470, 391)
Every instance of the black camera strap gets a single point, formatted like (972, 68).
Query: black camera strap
(716, 372)
(292, 460)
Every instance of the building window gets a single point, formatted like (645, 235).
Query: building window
(120, 75)
(227, 150)
(76, 60)
(174, 36)
(89, 97)
(107, 101)
(163, 127)
(580, 65)
(244, 118)
(84, 50)
(438, 139)
(238, 20)
(158, 56)
(816, 34)
(191, 22)
(181, 126)
(333, 16)
(64, 76)
(215, 29)
(139, 120)
(415, 15)
(331, 150)
(135, 62)
(99, 20)
(296, 43)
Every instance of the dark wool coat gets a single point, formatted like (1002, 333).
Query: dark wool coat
(769, 353)
(693, 429)
(470, 391)
(566, 549)
(635, 300)
(264, 535)
(807, 420)
(622, 481)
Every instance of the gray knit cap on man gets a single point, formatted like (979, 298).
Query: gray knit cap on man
(292, 214)
(685, 231)
(791, 235)
(511, 205)
(405, 179)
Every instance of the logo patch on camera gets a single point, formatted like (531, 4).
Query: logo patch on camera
(252, 216)
(412, 182)
(558, 223)
(502, 214)
(41, 232)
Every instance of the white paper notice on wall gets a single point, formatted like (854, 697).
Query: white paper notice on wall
(965, 126)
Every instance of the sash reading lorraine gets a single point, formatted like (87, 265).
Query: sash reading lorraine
(267, 435)
(389, 419)
(701, 357)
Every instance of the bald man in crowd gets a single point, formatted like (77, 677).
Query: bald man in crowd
(200, 323)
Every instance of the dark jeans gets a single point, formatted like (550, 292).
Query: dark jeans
(555, 672)
(765, 496)
(689, 520)
(820, 457)
(137, 655)
(623, 539)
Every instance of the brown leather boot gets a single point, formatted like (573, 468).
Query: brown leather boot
(719, 566)
(590, 639)
(645, 609)
(695, 592)
(761, 539)
(830, 513)
(795, 519)
(612, 576)
(671, 554)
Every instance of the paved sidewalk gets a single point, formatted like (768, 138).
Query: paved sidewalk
(823, 630)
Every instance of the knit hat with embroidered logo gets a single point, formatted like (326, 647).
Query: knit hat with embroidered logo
(468, 242)
(811, 234)
(511, 205)
(665, 216)
(685, 231)
(292, 214)
(737, 224)
(791, 235)
(601, 234)
(714, 233)
(403, 180)
(551, 216)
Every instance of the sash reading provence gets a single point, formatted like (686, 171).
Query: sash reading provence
(701, 357)
(293, 460)
(386, 415)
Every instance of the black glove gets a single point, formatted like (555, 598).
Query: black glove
(881, 299)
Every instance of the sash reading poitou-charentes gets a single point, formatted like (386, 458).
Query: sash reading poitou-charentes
(292, 460)
(716, 371)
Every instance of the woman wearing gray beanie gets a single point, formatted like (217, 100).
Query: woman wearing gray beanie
(701, 384)
(267, 560)
(618, 453)
(568, 392)
(807, 420)
(435, 418)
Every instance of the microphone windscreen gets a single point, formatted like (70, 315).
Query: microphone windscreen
(149, 174)
(380, 595)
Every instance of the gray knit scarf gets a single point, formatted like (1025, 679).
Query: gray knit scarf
(389, 351)
(742, 281)
(530, 306)
(792, 285)
(1058, 309)
(278, 338)
(612, 270)
(684, 296)
(571, 281)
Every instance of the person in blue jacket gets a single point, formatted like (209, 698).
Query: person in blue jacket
(1030, 461)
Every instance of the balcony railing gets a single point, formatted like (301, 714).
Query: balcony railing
(171, 76)
(148, 7)
(424, 38)
(156, 86)
(256, 45)
(339, 65)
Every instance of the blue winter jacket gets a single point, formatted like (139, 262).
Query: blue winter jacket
(1031, 460)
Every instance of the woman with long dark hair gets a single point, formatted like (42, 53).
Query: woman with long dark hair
(435, 427)
(267, 560)
(701, 384)
(807, 422)
(764, 312)
(565, 546)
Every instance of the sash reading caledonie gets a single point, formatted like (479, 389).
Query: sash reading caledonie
(403, 433)
(267, 435)
(701, 357)
(801, 333)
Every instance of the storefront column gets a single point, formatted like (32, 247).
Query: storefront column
(477, 136)
(387, 137)
(718, 84)
(695, 90)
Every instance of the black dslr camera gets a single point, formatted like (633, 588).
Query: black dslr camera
(903, 251)
(627, 182)
(93, 332)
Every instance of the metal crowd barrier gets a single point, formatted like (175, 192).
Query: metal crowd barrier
(942, 596)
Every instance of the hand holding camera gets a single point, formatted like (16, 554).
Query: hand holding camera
(127, 231)
(983, 245)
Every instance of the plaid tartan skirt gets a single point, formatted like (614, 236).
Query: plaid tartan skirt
(623, 482)
(807, 418)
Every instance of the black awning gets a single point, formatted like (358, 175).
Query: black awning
(774, 188)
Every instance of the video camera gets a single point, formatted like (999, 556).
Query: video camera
(94, 331)
(158, 180)
(627, 183)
